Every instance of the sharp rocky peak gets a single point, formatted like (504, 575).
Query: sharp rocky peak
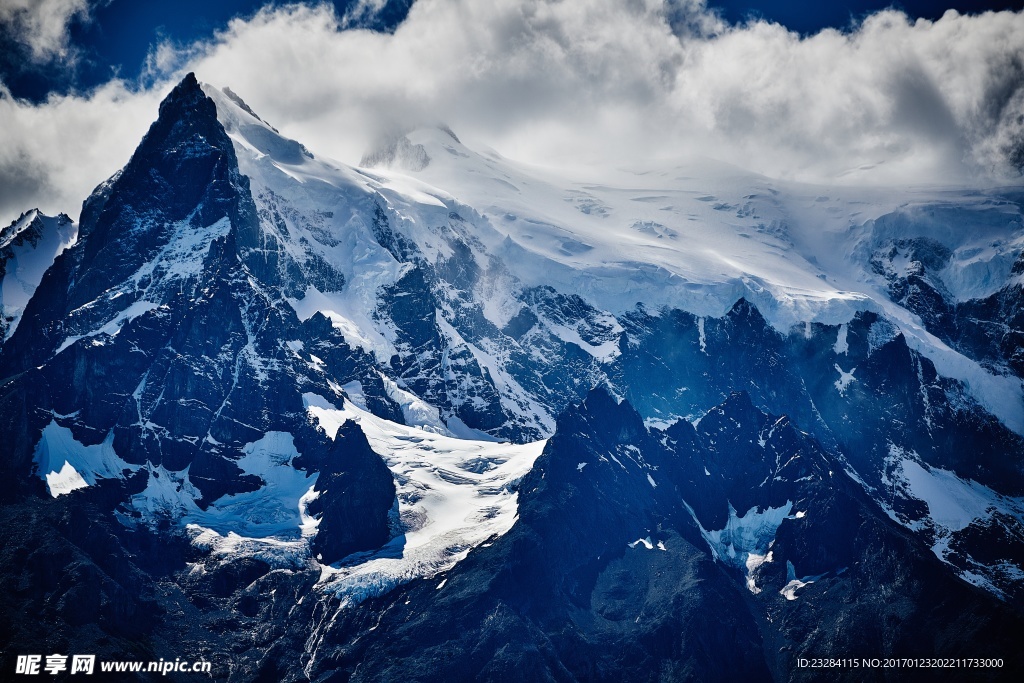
(180, 170)
(18, 226)
(30, 226)
(187, 96)
(145, 232)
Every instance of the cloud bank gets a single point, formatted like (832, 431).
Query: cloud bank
(617, 82)
(52, 155)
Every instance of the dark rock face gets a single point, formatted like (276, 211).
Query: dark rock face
(897, 397)
(989, 329)
(346, 364)
(355, 493)
(396, 243)
(157, 338)
(689, 531)
(992, 329)
(676, 364)
(440, 369)
(890, 393)
(573, 592)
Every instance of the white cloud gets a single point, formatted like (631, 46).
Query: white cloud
(52, 155)
(500, 71)
(43, 24)
(913, 101)
(608, 81)
(611, 80)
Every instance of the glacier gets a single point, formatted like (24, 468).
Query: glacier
(446, 415)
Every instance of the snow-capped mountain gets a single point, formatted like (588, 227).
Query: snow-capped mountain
(28, 247)
(443, 416)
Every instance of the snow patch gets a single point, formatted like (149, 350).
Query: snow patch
(753, 562)
(794, 584)
(841, 346)
(881, 332)
(23, 271)
(275, 508)
(347, 312)
(271, 523)
(65, 481)
(113, 327)
(605, 352)
(168, 495)
(453, 495)
(66, 464)
(953, 504)
(354, 392)
(415, 410)
(744, 535)
(845, 379)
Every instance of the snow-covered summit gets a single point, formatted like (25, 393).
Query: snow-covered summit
(339, 382)
(397, 152)
(28, 246)
(700, 234)
(697, 236)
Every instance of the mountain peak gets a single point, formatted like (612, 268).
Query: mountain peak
(244, 125)
(29, 228)
(186, 128)
(28, 246)
(187, 90)
(602, 415)
(180, 183)
(17, 226)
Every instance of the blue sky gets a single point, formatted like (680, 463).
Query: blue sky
(114, 37)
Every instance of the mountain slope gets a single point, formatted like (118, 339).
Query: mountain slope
(28, 247)
(611, 574)
(260, 373)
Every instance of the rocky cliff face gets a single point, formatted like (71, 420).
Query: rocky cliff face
(152, 386)
(324, 423)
